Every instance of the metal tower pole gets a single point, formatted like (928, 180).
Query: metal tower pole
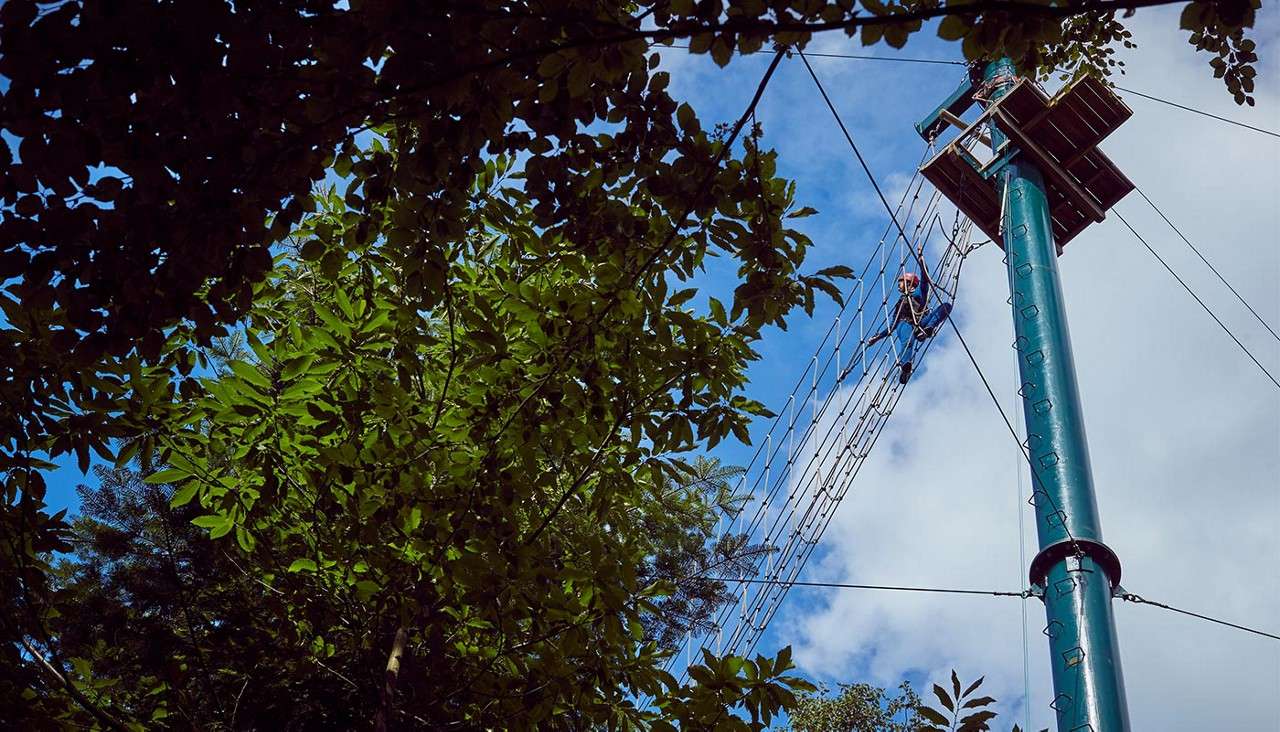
(1075, 569)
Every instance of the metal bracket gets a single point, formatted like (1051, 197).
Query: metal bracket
(1100, 553)
(1060, 703)
(1073, 656)
(1003, 155)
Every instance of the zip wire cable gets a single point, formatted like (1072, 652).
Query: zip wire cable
(897, 588)
(904, 60)
(1035, 475)
(858, 154)
(1199, 111)
(899, 59)
(1191, 292)
(1207, 264)
(1143, 601)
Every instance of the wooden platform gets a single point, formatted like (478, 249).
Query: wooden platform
(1060, 135)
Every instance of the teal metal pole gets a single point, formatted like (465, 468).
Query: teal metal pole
(1076, 571)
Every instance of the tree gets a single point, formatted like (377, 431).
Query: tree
(452, 508)
(857, 708)
(159, 624)
(693, 549)
(866, 708)
(964, 712)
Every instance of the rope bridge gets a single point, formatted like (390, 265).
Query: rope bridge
(807, 461)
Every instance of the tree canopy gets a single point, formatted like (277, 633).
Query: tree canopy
(857, 707)
(162, 149)
(486, 496)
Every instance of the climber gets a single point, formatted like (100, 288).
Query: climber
(912, 319)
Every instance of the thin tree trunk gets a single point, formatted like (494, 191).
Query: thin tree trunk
(387, 701)
(98, 713)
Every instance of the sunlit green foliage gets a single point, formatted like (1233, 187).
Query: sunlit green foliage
(489, 477)
(857, 708)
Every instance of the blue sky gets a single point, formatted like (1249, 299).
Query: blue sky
(1183, 430)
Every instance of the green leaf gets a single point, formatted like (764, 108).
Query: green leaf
(302, 565)
(717, 312)
(783, 660)
(976, 722)
(244, 539)
(837, 271)
(127, 452)
(552, 65)
(183, 495)
(312, 250)
(721, 52)
(941, 693)
(210, 521)
(682, 297)
(170, 475)
(895, 35)
(953, 28)
(1190, 18)
(688, 119)
(250, 374)
(297, 365)
(932, 715)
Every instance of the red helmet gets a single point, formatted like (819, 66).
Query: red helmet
(911, 278)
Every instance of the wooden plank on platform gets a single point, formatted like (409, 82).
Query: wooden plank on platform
(1052, 167)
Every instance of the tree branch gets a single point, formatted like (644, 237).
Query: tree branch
(387, 701)
(453, 360)
(98, 713)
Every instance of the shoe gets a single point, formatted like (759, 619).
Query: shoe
(905, 374)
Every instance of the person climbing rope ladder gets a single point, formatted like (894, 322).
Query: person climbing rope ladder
(912, 319)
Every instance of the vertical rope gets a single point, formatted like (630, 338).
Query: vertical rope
(1022, 563)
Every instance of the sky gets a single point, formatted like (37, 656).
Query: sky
(1184, 430)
